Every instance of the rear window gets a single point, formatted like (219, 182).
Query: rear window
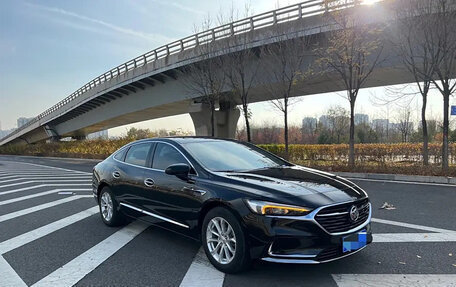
(120, 155)
(137, 154)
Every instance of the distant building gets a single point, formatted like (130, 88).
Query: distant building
(4, 133)
(361, 119)
(324, 121)
(380, 124)
(309, 124)
(98, 135)
(22, 121)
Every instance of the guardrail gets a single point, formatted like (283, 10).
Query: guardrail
(281, 15)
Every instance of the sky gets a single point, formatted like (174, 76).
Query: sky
(48, 49)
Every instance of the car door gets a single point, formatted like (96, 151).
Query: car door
(130, 174)
(173, 200)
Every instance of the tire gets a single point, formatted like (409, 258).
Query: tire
(240, 259)
(111, 216)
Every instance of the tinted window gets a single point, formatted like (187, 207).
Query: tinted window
(231, 156)
(166, 155)
(137, 154)
(120, 155)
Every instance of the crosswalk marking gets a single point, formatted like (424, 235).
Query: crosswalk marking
(40, 207)
(51, 167)
(43, 181)
(384, 280)
(35, 234)
(45, 178)
(413, 226)
(42, 185)
(202, 273)
(415, 237)
(22, 174)
(72, 272)
(53, 191)
(9, 277)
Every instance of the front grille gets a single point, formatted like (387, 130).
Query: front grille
(329, 253)
(330, 219)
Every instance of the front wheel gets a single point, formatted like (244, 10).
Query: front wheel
(109, 210)
(224, 241)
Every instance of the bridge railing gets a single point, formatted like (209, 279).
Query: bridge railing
(285, 14)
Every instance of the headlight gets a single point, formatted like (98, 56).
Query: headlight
(269, 208)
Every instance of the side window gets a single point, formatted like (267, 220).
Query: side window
(166, 155)
(120, 155)
(137, 154)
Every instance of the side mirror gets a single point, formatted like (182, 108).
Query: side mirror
(180, 170)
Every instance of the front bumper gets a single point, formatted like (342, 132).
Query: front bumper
(298, 239)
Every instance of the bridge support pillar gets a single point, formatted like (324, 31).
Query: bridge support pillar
(53, 136)
(226, 119)
(54, 139)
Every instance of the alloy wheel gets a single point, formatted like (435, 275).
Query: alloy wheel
(221, 240)
(106, 206)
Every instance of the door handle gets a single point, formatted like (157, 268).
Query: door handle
(149, 182)
(116, 174)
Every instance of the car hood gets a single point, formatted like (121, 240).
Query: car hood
(295, 185)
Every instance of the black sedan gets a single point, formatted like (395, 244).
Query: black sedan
(241, 201)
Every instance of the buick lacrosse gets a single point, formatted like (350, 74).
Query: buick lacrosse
(242, 202)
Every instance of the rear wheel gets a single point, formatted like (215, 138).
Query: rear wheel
(224, 241)
(109, 209)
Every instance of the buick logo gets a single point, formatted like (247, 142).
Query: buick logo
(354, 213)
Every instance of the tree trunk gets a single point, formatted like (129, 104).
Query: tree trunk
(425, 131)
(285, 130)
(212, 120)
(351, 149)
(247, 123)
(446, 109)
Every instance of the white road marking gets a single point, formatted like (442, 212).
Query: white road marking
(43, 178)
(14, 171)
(202, 273)
(382, 280)
(35, 234)
(413, 226)
(403, 182)
(40, 207)
(40, 194)
(43, 181)
(50, 173)
(72, 272)
(51, 167)
(415, 237)
(45, 172)
(42, 185)
(9, 277)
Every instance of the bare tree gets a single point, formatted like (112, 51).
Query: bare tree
(441, 41)
(338, 121)
(206, 78)
(240, 68)
(284, 68)
(416, 56)
(352, 50)
(404, 123)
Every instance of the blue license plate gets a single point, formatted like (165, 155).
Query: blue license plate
(354, 241)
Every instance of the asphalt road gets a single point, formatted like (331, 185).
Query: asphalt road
(52, 239)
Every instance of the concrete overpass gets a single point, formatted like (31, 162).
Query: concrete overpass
(152, 85)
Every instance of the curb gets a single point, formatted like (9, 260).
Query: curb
(400, 177)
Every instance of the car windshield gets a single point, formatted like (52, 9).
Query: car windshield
(231, 156)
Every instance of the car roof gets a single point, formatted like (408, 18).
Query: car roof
(186, 139)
